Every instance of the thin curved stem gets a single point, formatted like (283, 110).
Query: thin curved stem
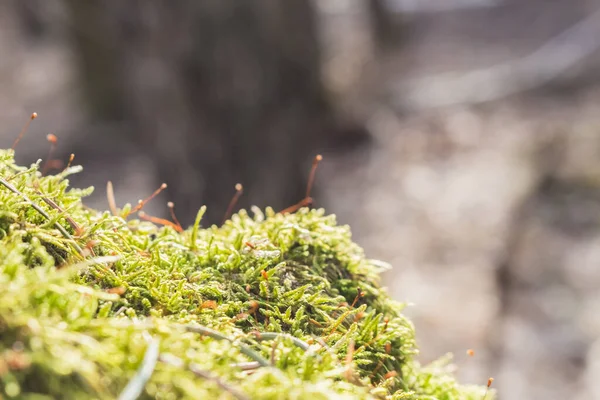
(219, 336)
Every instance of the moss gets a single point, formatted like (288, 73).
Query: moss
(266, 306)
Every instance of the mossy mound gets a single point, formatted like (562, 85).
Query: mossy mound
(269, 306)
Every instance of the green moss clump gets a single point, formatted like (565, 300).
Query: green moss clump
(267, 306)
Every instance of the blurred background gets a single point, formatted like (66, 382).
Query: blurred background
(461, 141)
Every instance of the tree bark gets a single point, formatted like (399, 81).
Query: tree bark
(383, 26)
(217, 92)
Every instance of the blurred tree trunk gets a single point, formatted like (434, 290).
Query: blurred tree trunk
(218, 92)
(383, 26)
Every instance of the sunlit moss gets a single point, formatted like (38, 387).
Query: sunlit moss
(266, 306)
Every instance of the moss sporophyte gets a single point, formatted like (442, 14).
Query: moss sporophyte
(267, 306)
